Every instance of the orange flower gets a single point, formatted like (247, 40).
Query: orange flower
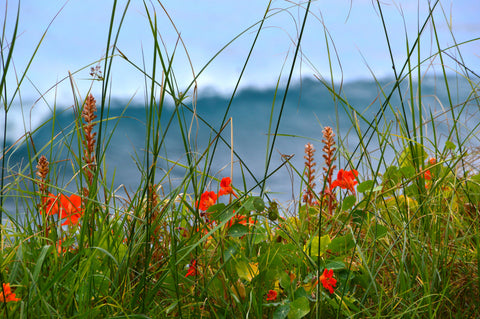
(226, 187)
(432, 160)
(427, 175)
(192, 270)
(7, 295)
(240, 219)
(346, 180)
(71, 209)
(66, 207)
(271, 295)
(51, 203)
(206, 200)
(327, 280)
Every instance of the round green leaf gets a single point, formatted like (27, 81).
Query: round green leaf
(348, 202)
(281, 312)
(299, 308)
(365, 186)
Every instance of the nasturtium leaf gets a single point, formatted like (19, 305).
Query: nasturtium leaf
(238, 230)
(401, 202)
(281, 312)
(335, 265)
(392, 174)
(450, 146)
(300, 292)
(284, 280)
(260, 235)
(229, 252)
(358, 216)
(216, 207)
(299, 308)
(258, 204)
(246, 271)
(220, 214)
(348, 202)
(378, 231)
(410, 155)
(254, 203)
(312, 247)
(408, 172)
(341, 244)
(365, 186)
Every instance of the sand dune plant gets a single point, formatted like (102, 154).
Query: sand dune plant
(390, 229)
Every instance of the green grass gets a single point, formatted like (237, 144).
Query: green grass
(402, 238)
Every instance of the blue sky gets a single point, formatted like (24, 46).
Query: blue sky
(78, 31)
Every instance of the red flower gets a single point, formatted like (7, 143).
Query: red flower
(6, 295)
(51, 203)
(271, 295)
(192, 270)
(432, 160)
(240, 219)
(346, 180)
(206, 200)
(226, 187)
(327, 280)
(427, 175)
(71, 209)
(66, 207)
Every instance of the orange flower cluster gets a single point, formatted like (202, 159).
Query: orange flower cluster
(210, 198)
(346, 180)
(69, 207)
(327, 280)
(6, 295)
(240, 219)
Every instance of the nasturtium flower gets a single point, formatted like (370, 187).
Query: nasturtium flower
(226, 187)
(206, 200)
(51, 203)
(346, 180)
(272, 295)
(327, 280)
(69, 207)
(240, 219)
(192, 270)
(6, 295)
(427, 175)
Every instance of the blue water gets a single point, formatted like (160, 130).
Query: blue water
(309, 107)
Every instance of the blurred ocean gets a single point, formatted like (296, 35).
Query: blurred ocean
(309, 107)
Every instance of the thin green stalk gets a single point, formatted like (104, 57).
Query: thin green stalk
(297, 49)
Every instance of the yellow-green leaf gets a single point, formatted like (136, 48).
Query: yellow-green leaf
(246, 271)
(312, 247)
